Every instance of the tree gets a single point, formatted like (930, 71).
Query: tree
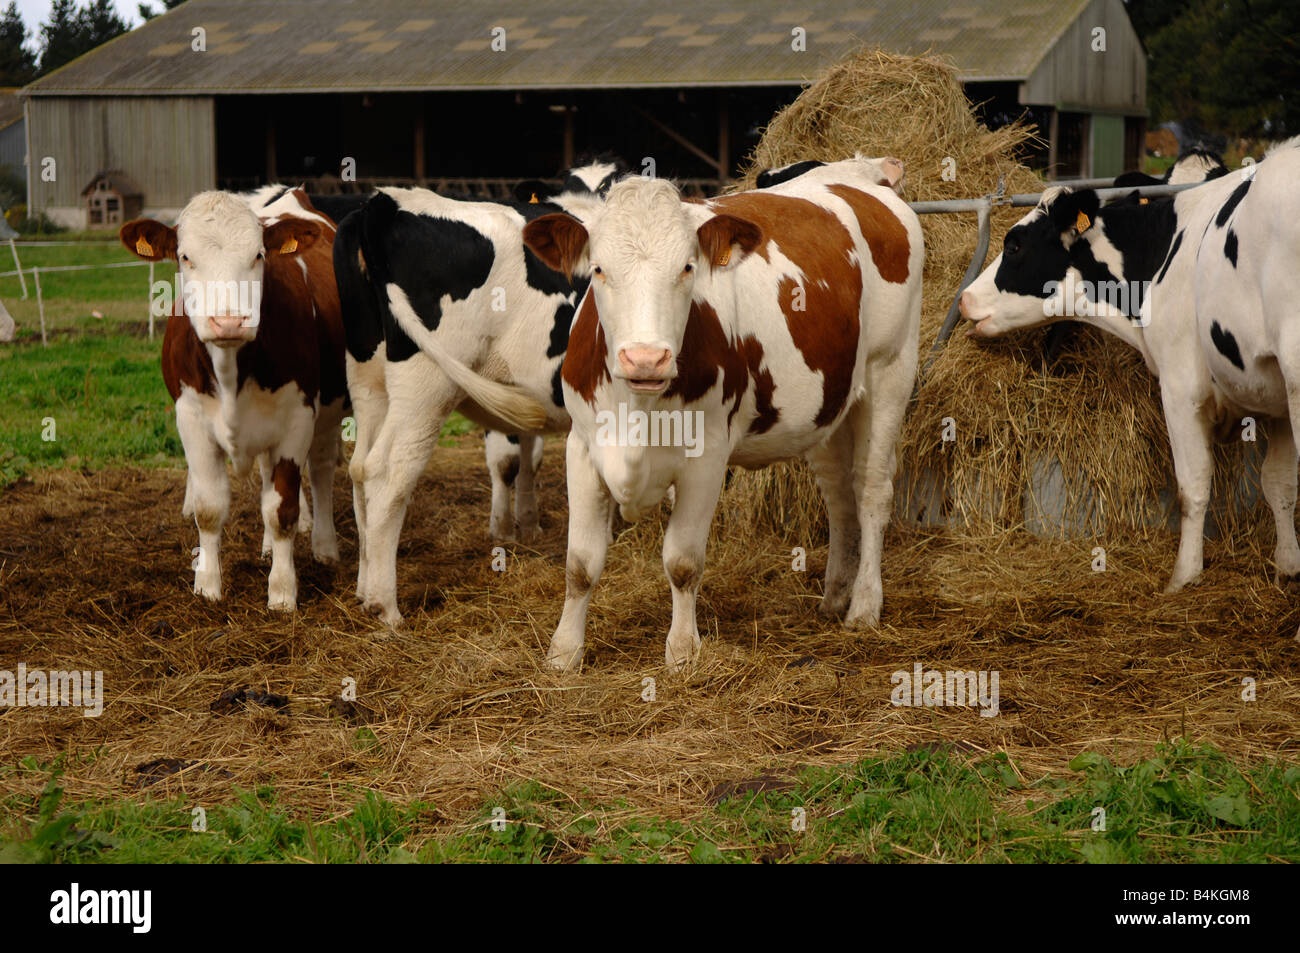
(1231, 65)
(17, 63)
(72, 31)
(148, 12)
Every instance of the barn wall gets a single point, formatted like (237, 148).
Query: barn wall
(166, 144)
(13, 147)
(1074, 78)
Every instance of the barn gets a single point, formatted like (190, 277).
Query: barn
(235, 93)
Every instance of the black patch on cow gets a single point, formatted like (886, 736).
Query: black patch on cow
(1230, 206)
(1227, 345)
(1169, 259)
(338, 207)
(1230, 247)
(557, 385)
(770, 177)
(363, 317)
(1136, 179)
(428, 258)
(512, 438)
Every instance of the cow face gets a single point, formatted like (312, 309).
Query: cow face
(1022, 287)
(644, 258)
(221, 248)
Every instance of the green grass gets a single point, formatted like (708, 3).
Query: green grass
(1186, 804)
(101, 399)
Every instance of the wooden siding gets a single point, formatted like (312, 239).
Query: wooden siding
(166, 143)
(1075, 78)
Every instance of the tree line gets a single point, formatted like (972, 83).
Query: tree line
(71, 30)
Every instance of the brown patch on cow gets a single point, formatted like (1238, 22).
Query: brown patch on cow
(718, 234)
(287, 479)
(558, 240)
(825, 329)
(683, 573)
(765, 412)
(886, 236)
(584, 367)
(576, 579)
(705, 351)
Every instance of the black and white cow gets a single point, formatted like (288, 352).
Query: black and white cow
(889, 173)
(445, 310)
(1205, 288)
(1195, 165)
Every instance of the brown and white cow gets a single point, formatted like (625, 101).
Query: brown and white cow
(746, 329)
(253, 357)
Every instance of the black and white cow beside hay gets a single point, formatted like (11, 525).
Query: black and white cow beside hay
(445, 309)
(1195, 165)
(1205, 287)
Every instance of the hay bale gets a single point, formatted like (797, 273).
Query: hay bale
(1090, 423)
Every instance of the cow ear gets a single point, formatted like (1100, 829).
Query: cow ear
(1074, 212)
(720, 234)
(290, 236)
(534, 191)
(559, 240)
(895, 175)
(147, 239)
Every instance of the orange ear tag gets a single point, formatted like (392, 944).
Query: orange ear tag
(533, 200)
(142, 247)
(1082, 223)
(289, 247)
(726, 257)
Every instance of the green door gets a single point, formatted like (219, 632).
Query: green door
(1107, 146)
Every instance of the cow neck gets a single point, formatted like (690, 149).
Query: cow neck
(1128, 244)
(225, 370)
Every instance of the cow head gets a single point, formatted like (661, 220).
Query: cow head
(1019, 288)
(644, 258)
(221, 248)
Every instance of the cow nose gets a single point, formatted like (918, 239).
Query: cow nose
(640, 362)
(227, 325)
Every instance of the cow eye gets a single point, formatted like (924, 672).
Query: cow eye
(690, 266)
(261, 255)
(185, 258)
(1011, 246)
(596, 270)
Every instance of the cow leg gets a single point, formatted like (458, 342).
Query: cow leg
(1189, 438)
(264, 468)
(304, 509)
(280, 519)
(321, 461)
(876, 421)
(530, 457)
(684, 543)
(207, 494)
(503, 469)
(590, 514)
(420, 399)
(369, 395)
(832, 464)
(1278, 481)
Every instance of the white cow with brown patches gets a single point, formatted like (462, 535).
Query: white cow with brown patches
(758, 326)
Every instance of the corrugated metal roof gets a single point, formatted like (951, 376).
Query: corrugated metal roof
(265, 46)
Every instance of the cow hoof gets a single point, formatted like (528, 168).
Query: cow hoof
(862, 620)
(282, 603)
(530, 534)
(209, 592)
(833, 607)
(678, 657)
(1177, 585)
(326, 554)
(1287, 582)
(389, 616)
(564, 660)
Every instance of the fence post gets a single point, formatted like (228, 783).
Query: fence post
(40, 305)
(19, 267)
(149, 299)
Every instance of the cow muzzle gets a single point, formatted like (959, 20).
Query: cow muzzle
(647, 370)
(966, 305)
(231, 330)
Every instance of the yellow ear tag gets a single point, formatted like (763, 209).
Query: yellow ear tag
(726, 257)
(533, 200)
(289, 247)
(142, 247)
(1082, 222)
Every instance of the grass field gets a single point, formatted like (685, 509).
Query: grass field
(781, 746)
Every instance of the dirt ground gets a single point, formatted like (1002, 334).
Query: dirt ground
(94, 574)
